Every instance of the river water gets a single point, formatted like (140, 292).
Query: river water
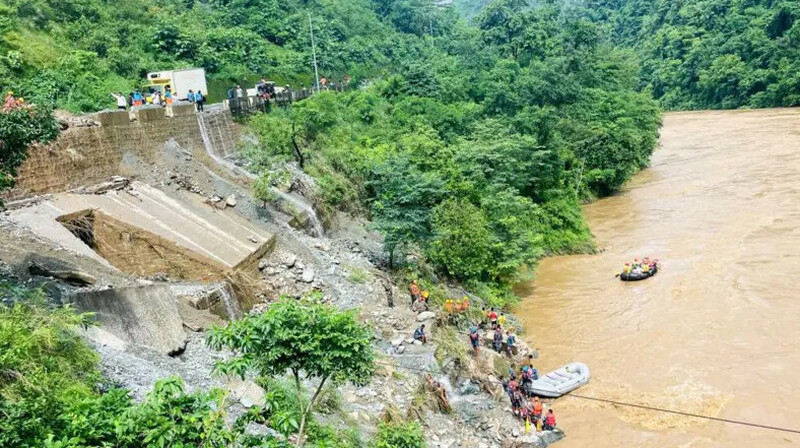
(717, 331)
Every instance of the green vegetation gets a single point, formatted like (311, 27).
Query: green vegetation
(400, 435)
(50, 397)
(303, 338)
(711, 53)
(21, 125)
(72, 53)
(477, 149)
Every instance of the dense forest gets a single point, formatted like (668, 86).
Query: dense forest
(711, 53)
(707, 54)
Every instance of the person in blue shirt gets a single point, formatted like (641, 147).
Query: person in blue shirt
(199, 99)
(190, 96)
(168, 95)
(137, 98)
(511, 343)
(419, 334)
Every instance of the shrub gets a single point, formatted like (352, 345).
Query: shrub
(400, 435)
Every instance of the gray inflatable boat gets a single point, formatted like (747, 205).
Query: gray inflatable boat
(562, 380)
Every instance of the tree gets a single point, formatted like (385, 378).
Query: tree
(503, 23)
(20, 126)
(313, 340)
(45, 367)
(404, 197)
(462, 241)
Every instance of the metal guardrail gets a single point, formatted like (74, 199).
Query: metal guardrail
(254, 104)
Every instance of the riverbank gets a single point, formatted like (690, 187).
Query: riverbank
(714, 333)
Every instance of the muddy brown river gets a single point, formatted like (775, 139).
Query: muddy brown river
(717, 331)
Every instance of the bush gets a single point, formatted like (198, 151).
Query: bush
(400, 435)
(49, 393)
(21, 126)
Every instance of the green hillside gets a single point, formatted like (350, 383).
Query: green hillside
(73, 52)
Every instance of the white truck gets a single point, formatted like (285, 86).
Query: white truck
(181, 81)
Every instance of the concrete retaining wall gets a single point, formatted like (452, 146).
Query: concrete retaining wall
(88, 155)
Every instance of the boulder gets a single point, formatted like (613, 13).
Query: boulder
(425, 315)
(552, 436)
(145, 315)
(289, 261)
(231, 201)
(196, 319)
(308, 275)
(526, 441)
(246, 392)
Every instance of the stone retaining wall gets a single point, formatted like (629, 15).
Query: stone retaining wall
(88, 155)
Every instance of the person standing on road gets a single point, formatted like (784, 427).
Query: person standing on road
(190, 96)
(122, 102)
(199, 99)
(137, 97)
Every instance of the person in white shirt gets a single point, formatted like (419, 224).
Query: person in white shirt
(122, 102)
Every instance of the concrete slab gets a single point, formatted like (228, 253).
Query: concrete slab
(146, 315)
(42, 220)
(219, 236)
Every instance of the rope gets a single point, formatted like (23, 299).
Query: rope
(640, 406)
(687, 414)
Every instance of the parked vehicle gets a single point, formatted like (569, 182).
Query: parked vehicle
(181, 81)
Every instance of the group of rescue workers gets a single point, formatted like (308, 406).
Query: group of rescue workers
(640, 267)
(519, 385)
(156, 98)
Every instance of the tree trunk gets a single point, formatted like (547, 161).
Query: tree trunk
(305, 412)
(297, 152)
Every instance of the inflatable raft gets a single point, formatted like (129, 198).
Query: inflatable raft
(561, 381)
(636, 276)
